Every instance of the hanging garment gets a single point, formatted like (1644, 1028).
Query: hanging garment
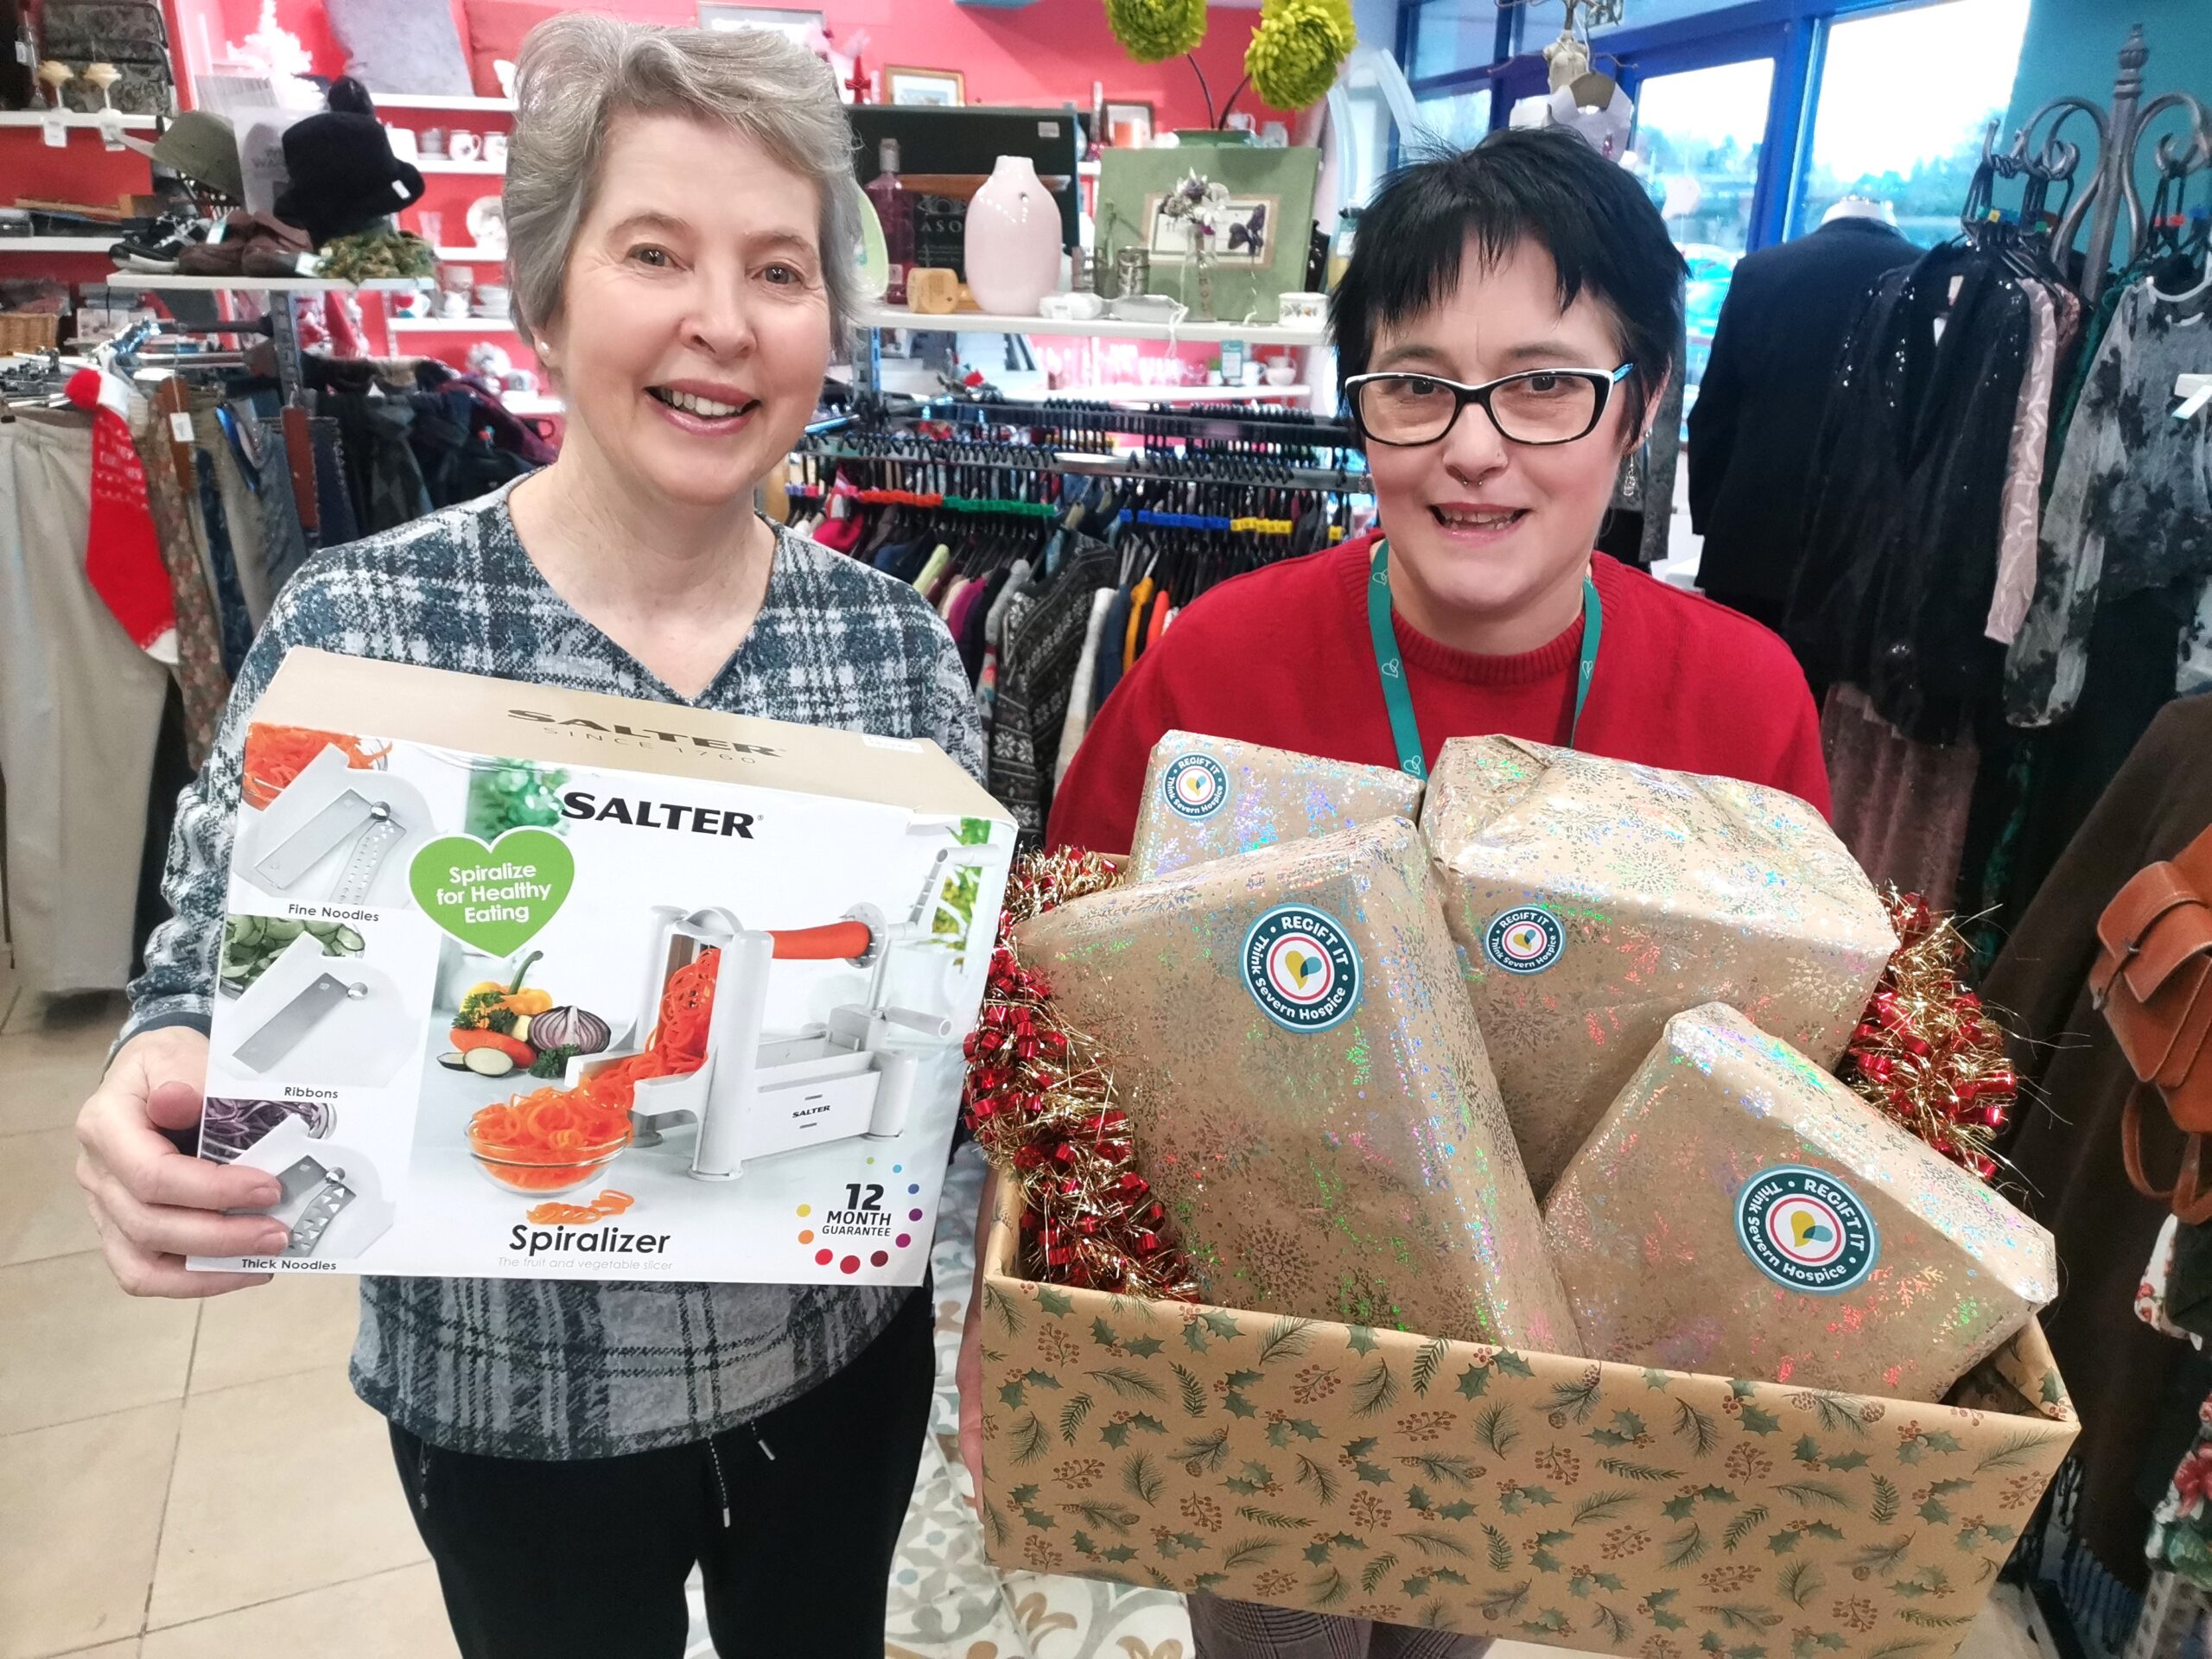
(283, 541)
(2131, 507)
(222, 565)
(1758, 415)
(1046, 628)
(1901, 544)
(1900, 806)
(242, 520)
(1084, 694)
(124, 556)
(2023, 499)
(81, 708)
(2065, 1144)
(201, 679)
(333, 496)
(381, 472)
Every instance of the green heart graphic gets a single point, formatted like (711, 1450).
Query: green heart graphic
(494, 899)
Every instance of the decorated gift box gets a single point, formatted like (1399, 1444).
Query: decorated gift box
(1593, 901)
(1307, 1088)
(1739, 1210)
(1207, 797)
(1497, 1490)
(524, 981)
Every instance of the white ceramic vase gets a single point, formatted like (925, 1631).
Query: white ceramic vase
(1013, 248)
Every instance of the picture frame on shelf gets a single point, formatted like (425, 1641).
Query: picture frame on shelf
(1129, 124)
(1276, 185)
(941, 89)
(795, 26)
(1244, 233)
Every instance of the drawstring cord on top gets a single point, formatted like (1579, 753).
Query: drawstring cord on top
(714, 1458)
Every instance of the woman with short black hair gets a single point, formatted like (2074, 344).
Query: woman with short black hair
(1505, 331)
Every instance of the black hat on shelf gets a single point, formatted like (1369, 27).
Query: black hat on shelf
(343, 175)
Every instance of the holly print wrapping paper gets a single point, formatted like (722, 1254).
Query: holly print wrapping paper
(1608, 1508)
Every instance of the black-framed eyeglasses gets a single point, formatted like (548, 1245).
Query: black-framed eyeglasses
(1539, 406)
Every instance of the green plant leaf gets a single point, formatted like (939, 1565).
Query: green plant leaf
(1375, 1390)
(1474, 1382)
(1427, 1361)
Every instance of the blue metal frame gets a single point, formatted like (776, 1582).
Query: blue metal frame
(1793, 33)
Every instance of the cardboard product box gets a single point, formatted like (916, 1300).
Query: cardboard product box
(1307, 1088)
(518, 981)
(1379, 1473)
(1208, 797)
(1738, 1209)
(1592, 900)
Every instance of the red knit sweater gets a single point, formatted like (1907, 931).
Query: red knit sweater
(1281, 657)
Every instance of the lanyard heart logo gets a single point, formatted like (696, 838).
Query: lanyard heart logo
(495, 898)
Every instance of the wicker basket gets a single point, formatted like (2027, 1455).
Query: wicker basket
(28, 331)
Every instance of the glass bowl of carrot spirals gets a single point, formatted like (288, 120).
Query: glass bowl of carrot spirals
(549, 1141)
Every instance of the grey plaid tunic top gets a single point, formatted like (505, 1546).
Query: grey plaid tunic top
(552, 1369)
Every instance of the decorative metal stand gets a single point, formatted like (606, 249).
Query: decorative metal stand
(2111, 187)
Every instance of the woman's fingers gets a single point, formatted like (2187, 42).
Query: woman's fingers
(173, 1230)
(143, 1273)
(153, 1205)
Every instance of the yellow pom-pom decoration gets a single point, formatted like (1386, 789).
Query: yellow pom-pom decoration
(1297, 49)
(1152, 31)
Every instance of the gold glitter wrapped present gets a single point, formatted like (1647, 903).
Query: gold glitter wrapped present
(1307, 1088)
(1207, 797)
(1592, 900)
(1740, 1211)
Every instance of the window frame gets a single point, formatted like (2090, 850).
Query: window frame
(1793, 33)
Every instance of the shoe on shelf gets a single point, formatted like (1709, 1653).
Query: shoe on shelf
(160, 246)
(224, 258)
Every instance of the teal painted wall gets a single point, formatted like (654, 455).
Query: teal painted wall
(2073, 45)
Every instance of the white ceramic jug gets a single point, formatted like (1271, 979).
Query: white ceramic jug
(1012, 249)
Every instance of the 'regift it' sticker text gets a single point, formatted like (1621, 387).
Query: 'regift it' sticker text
(1805, 1230)
(1300, 968)
(1195, 786)
(1526, 939)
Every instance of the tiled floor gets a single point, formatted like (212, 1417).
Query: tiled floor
(197, 1481)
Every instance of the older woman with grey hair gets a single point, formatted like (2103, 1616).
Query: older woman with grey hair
(681, 232)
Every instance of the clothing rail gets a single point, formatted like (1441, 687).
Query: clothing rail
(1222, 424)
(1340, 479)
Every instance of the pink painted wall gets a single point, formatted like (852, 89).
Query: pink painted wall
(1048, 52)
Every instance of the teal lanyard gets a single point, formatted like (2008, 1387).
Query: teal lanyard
(1398, 697)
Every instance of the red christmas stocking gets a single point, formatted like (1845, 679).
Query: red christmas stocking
(123, 559)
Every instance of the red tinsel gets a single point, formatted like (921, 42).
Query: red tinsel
(1040, 1102)
(1926, 1051)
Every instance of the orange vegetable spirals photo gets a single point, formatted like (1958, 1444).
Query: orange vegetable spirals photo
(560, 1129)
(274, 755)
(609, 1203)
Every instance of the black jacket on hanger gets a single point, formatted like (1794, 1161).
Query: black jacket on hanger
(1901, 539)
(1758, 407)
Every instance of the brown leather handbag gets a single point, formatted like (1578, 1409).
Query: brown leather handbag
(2153, 982)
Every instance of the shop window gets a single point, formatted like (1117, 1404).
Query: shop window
(1448, 35)
(1698, 138)
(1904, 99)
(1458, 119)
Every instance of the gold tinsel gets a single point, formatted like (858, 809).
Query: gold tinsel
(1040, 1104)
(1926, 1052)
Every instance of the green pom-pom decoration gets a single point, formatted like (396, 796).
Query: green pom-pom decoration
(1297, 49)
(1152, 31)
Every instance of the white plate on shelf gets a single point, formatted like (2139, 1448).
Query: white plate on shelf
(487, 224)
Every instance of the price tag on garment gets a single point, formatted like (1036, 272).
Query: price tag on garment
(180, 427)
(24, 55)
(56, 131)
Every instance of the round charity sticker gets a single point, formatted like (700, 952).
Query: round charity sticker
(1524, 940)
(1196, 785)
(1806, 1231)
(1301, 968)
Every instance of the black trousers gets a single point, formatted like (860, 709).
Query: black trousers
(793, 1520)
